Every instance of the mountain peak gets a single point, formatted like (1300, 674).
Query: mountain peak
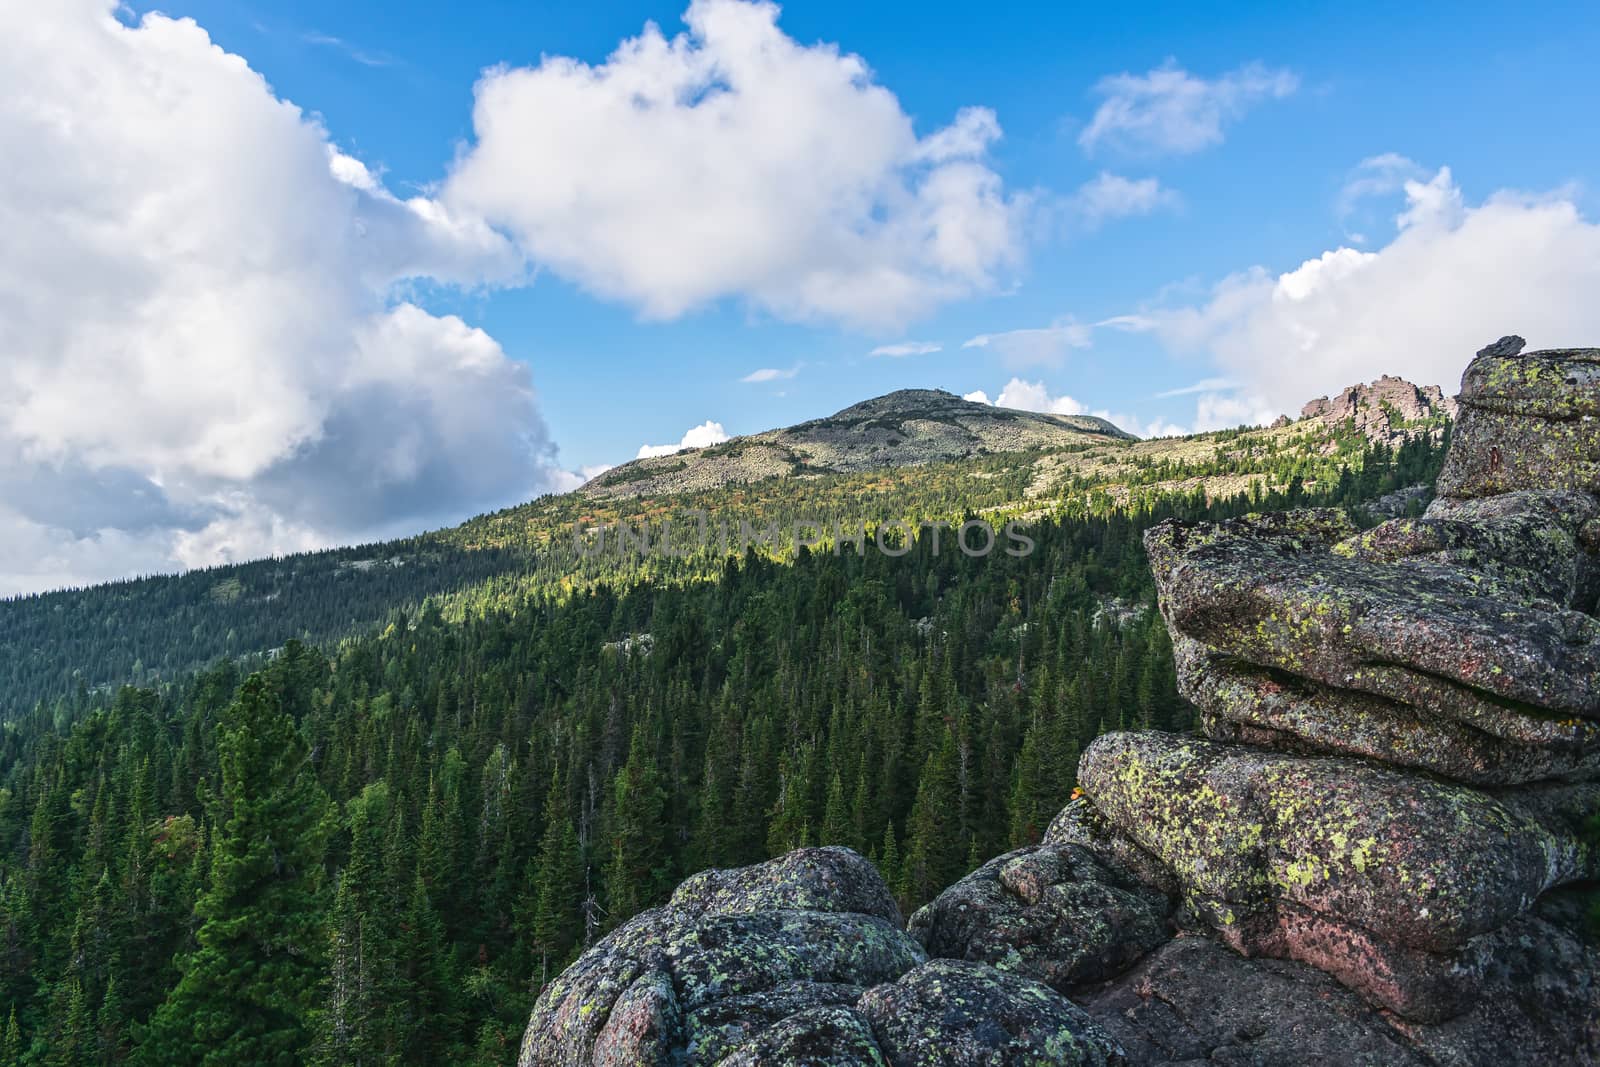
(910, 400)
(908, 427)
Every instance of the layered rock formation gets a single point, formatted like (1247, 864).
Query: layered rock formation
(1389, 409)
(1359, 859)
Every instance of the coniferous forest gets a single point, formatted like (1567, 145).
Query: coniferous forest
(373, 850)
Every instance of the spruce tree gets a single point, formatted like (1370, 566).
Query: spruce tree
(247, 991)
(637, 873)
(351, 1026)
(836, 827)
(428, 1018)
(11, 1040)
(933, 853)
(558, 885)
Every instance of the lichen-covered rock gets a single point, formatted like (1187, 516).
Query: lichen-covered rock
(1448, 643)
(642, 1024)
(1079, 823)
(1541, 1001)
(1192, 1000)
(819, 1037)
(774, 965)
(807, 879)
(1528, 545)
(1383, 879)
(1241, 702)
(1527, 421)
(727, 1026)
(1416, 632)
(1053, 913)
(776, 939)
(952, 1013)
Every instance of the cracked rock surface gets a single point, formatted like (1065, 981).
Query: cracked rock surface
(798, 960)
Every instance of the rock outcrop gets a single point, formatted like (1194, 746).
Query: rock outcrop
(1527, 421)
(799, 960)
(1389, 409)
(1399, 748)
(1361, 857)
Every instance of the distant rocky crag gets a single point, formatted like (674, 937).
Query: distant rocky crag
(1365, 856)
(1389, 409)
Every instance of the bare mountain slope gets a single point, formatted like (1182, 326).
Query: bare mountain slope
(910, 427)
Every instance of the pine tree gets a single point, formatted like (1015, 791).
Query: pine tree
(428, 1018)
(637, 873)
(247, 991)
(111, 1024)
(934, 854)
(1030, 812)
(790, 825)
(558, 879)
(889, 859)
(351, 1027)
(836, 826)
(11, 1040)
(72, 1036)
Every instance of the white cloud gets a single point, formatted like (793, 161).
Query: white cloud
(1108, 196)
(1453, 278)
(1222, 411)
(1381, 175)
(907, 348)
(1169, 111)
(733, 161)
(1042, 346)
(201, 356)
(1033, 396)
(770, 374)
(355, 52)
(703, 436)
(1157, 427)
(1036, 396)
(565, 481)
(1205, 385)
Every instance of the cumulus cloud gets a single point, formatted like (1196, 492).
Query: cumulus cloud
(565, 481)
(907, 348)
(705, 435)
(1454, 277)
(1036, 396)
(771, 374)
(1376, 176)
(1033, 396)
(733, 161)
(202, 356)
(1169, 111)
(1039, 346)
(1108, 196)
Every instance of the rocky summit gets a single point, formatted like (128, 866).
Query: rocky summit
(1365, 855)
(907, 428)
(1390, 409)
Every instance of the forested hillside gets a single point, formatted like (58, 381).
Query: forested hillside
(361, 855)
(60, 647)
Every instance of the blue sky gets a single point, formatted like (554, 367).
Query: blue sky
(246, 329)
(1502, 97)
